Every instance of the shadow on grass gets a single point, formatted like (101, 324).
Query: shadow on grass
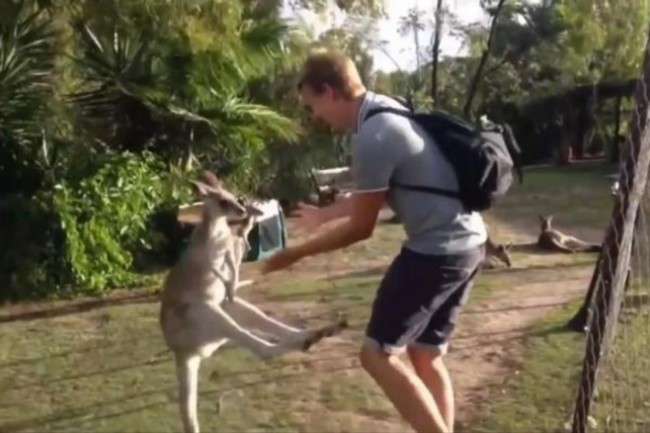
(79, 307)
(549, 267)
(88, 375)
(377, 271)
(90, 349)
(517, 308)
(71, 417)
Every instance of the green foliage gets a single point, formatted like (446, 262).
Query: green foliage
(118, 102)
(105, 218)
(27, 71)
(84, 236)
(107, 107)
(186, 104)
(29, 235)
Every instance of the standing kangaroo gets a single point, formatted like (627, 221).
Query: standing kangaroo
(237, 249)
(554, 240)
(194, 319)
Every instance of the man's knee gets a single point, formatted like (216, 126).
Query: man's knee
(422, 357)
(373, 356)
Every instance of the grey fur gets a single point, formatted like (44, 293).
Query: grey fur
(497, 254)
(194, 319)
(554, 240)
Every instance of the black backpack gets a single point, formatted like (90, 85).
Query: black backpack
(482, 158)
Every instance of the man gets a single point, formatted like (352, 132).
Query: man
(419, 297)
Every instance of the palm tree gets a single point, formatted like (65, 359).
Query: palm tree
(185, 101)
(27, 53)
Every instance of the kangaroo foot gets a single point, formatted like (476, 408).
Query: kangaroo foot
(325, 331)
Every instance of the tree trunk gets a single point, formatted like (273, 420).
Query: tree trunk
(616, 141)
(483, 61)
(436, 53)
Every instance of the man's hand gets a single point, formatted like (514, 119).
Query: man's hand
(357, 227)
(281, 260)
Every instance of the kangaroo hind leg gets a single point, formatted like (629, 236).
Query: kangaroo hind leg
(251, 317)
(219, 324)
(187, 373)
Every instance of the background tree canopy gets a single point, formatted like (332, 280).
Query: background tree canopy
(108, 106)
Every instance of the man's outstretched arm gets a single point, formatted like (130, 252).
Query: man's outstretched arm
(362, 210)
(358, 226)
(341, 208)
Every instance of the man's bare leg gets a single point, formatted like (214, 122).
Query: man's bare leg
(404, 389)
(430, 367)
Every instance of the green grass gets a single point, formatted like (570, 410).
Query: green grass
(353, 295)
(577, 195)
(539, 397)
(106, 371)
(623, 401)
(99, 372)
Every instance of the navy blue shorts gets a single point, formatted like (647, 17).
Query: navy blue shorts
(419, 299)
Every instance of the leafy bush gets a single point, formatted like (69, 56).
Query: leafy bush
(106, 219)
(88, 236)
(29, 235)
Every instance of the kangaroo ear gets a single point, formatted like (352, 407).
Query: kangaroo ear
(210, 178)
(508, 246)
(200, 188)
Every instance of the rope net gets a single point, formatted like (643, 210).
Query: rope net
(614, 385)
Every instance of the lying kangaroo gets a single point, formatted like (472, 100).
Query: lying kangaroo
(495, 253)
(554, 240)
(194, 319)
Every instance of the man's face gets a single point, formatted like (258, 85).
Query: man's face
(325, 107)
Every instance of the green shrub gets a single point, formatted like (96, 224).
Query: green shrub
(90, 235)
(30, 236)
(106, 220)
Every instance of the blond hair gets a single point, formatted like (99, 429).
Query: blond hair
(326, 67)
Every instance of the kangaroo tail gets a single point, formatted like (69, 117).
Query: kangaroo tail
(187, 371)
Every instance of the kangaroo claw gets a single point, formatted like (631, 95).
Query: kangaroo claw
(325, 331)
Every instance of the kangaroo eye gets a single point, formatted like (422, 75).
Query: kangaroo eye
(224, 203)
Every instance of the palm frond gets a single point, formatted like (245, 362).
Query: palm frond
(263, 42)
(119, 57)
(26, 73)
(263, 118)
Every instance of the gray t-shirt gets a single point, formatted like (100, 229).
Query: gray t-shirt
(389, 145)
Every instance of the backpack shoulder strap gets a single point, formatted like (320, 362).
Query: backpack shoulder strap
(427, 189)
(379, 110)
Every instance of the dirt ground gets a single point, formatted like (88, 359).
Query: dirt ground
(336, 393)
(492, 332)
(72, 348)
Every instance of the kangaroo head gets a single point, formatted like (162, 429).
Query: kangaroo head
(217, 202)
(545, 222)
(502, 252)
